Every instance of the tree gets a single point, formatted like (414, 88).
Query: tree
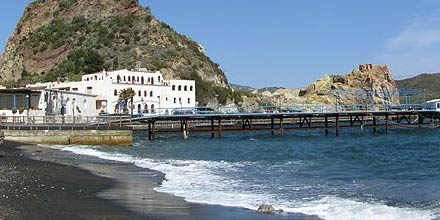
(125, 95)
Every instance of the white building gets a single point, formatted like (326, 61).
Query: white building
(153, 94)
(49, 102)
(59, 102)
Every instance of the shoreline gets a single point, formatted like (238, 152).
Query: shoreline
(127, 189)
(37, 189)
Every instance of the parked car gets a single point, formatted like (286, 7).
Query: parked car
(183, 112)
(204, 110)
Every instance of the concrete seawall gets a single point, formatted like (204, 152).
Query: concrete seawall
(66, 137)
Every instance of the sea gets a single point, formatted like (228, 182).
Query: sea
(357, 175)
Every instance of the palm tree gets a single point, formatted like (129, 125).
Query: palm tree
(125, 95)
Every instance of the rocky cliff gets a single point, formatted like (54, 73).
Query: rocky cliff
(369, 84)
(68, 38)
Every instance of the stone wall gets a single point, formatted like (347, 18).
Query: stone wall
(81, 137)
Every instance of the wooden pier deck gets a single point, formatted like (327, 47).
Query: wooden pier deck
(279, 123)
(215, 125)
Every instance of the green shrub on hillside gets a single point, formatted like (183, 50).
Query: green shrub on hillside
(78, 62)
(66, 4)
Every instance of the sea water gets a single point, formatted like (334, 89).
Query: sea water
(358, 175)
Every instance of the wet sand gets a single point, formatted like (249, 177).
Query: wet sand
(60, 185)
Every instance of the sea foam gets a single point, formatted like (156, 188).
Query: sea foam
(198, 181)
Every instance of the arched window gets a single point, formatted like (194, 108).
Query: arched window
(142, 80)
(96, 77)
(145, 93)
(174, 87)
(190, 88)
(152, 108)
(137, 79)
(146, 108)
(151, 94)
(149, 79)
(117, 108)
(180, 88)
(189, 100)
(185, 88)
(133, 79)
(139, 93)
(139, 108)
(152, 81)
(115, 92)
(175, 100)
(118, 79)
(158, 78)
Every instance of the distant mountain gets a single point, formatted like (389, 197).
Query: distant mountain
(270, 89)
(429, 83)
(237, 87)
(243, 88)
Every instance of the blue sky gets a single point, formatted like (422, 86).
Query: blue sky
(292, 43)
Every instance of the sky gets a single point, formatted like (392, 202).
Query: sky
(292, 43)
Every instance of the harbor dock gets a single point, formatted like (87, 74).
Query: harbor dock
(118, 130)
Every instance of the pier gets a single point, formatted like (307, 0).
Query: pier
(216, 125)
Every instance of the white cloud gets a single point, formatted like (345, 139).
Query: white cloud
(415, 49)
(420, 34)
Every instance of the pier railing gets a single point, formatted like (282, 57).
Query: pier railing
(120, 120)
(64, 122)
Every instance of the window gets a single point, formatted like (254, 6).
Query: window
(185, 88)
(133, 79)
(145, 93)
(189, 100)
(158, 78)
(118, 79)
(180, 100)
(174, 87)
(190, 88)
(142, 80)
(180, 88)
(74, 89)
(152, 108)
(137, 79)
(124, 78)
(149, 79)
(151, 94)
(139, 93)
(175, 100)
(115, 92)
(129, 79)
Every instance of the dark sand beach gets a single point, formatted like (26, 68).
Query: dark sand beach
(42, 183)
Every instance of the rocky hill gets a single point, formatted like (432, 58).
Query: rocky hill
(429, 84)
(68, 38)
(369, 84)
